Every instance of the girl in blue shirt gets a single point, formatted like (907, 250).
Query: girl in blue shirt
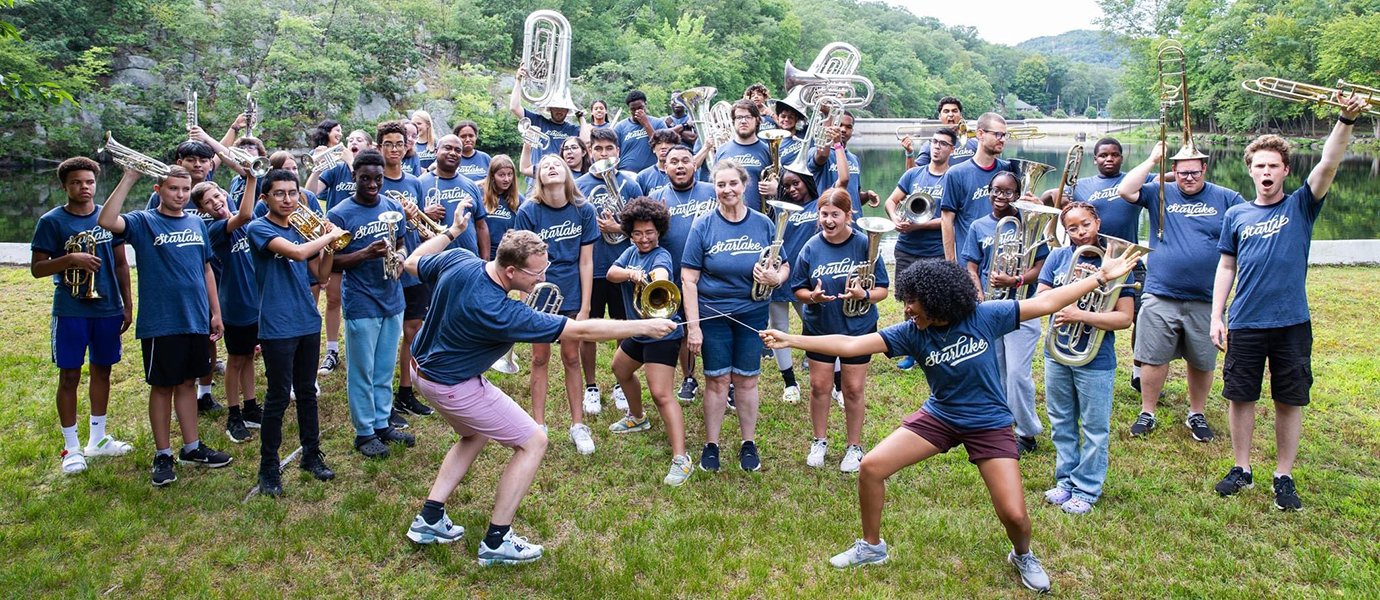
(501, 200)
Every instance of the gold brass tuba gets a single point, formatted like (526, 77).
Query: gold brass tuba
(392, 259)
(311, 226)
(74, 278)
(1013, 253)
(656, 299)
(918, 207)
(865, 275)
(1172, 76)
(545, 297)
(130, 159)
(770, 258)
(1305, 93)
(1076, 344)
(546, 58)
(607, 170)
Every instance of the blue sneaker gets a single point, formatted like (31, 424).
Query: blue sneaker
(442, 532)
(862, 553)
(906, 363)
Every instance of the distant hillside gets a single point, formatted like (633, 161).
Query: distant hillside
(1080, 46)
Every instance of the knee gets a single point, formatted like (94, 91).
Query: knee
(540, 360)
(571, 360)
(69, 379)
(537, 442)
(872, 470)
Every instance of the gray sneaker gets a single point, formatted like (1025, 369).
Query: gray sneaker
(1032, 573)
(442, 532)
(861, 554)
(514, 550)
(680, 471)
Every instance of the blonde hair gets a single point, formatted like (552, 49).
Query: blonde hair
(572, 193)
(492, 196)
(430, 138)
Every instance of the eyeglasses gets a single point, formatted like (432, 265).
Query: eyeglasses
(1000, 135)
(1000, 193)
(280, 194)
(537, 273)
(940, 143)
(743, 117)
(393, 145)
(1189, 174)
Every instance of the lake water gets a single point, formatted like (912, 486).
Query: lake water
(1350, 212)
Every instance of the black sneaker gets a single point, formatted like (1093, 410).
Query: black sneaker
(270, 483)
(1238, 479)
(330, 363)
(409, 404)
(709, 458)
(393, 436)
(1144, 424)
(1197, 424)
(204, 456)
(396, 420)
(163, 472)
(206, 404)
(1286, 497)
(1026, 444)
(315, 463)
(236, 430)
(1135, 384)
(747, 457)
(688, 387)
(253, 415)
(371, 447)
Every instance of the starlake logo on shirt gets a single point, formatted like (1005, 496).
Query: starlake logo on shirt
(449, 196)
(746, 160)
(561, 231)
(1196, 209)
(1008, 236)
(852, 168)
(692, 209)
(1107, 194)
(101, 234)
(736, 246)
(981, 192)
(372, 229)
(501, 213)
(186, 237)
(240, 244)
(835, 270)
(963, 350)
(345, 187)
(1265, 229)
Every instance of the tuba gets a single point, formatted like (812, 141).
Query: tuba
(697, 102)
(607, 170)
(311, 226)
(546, 58)
(865, 275)
(918, 207)
(324, 159)
(545, 297)
(532, 136)
(1013, 253)
(844, 87)
(392, 259)
(1305, 93)
(1076, 344)
(131, 159)
(656, 299)
(426, 228)
(74, 278)
(770, 258)
(1172, 76)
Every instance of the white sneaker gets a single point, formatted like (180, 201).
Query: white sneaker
(107, 446)
(837, 395)
(681, 468)
(791, 394)
(591, 403)
(816, 456)
(73, 462)
(579, 433)
(514, 550)
(620, 401)
(860, 554)
(852, 459)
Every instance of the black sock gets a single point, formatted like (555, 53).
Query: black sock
(788, 376)
(251, 403)
(235, 412)
(838, 380)
(404, 391)
(494, 537)
(432, 511)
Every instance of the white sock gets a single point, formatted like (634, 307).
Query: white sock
(1191, 413)
(202, 390)
(333, 346)
(1278, 475)
(97, 428)
(69, 439)
(1135, 371)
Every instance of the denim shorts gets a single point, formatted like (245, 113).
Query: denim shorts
(730, 346)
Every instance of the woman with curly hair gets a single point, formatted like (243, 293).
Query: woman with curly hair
(953, 336)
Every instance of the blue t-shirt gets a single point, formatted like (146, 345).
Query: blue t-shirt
(172, 254)
(424, 155)
(239, 306)
(481, 323)
(833, 264)
(307, 199)
(1271, 246)
(658, 258)
(962, 153)
(725, 252)
(286, 307)
(411, 165)
(237, 188)
(597, 195)
(966, 195)
(634, 145)
(960, 364)
(1119, 217)
(565, 230)
(800, 227)
(752, 158)
(790, 149)
(927, 243)
(827, 175)
(558, 134)
(411, 188)
(57, 226)
(977, 249)
(652, 178)
(475, 167)
(365, 292)
(1183, 264)
(338, 185)
(1055, 274)
(451, 193)
(685, 206)
(500, 220)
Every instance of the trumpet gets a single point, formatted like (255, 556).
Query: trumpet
(312, 226)
(1076, 344)
(770, 258)
(532, 136)
(607, 170)
(190, 97)
(130, 159)
(426, 228)
(865, 275)
(656, 299)
(251, 114)
(392, 259)
(1293, 91)
(74, 278)
(256, 165)
(1015, 242)
(324, 159)
(545, 297)
(918, 207)
(546, 58)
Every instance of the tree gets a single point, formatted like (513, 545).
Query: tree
(1031, 79)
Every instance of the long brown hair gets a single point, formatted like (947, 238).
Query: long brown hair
(492, 196)
(572, 193)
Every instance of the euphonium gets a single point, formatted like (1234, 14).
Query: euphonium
(607, 170)
(697, 102)
(426, 228)
(1076, 344)
(865, 275)
(770, 258)
(918, 207)
(532, 136)
(1305, 93)
(392, 259)
(1013, 253)
(1030, 172)
(826, 112)
(311, 226)
(75, 278)
(719, 127)
(324, 159)
(656, 299)
(545, 297)
(546, 58)
(130, 159)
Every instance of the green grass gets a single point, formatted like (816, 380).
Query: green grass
(611, 528)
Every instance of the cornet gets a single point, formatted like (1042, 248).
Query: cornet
(75, 278)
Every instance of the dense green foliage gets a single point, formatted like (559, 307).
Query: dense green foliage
(1081, 46)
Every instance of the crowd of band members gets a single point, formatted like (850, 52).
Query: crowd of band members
(231, 265)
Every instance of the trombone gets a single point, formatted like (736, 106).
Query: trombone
(1172, 76)
(1305, 93)
(1015, 130)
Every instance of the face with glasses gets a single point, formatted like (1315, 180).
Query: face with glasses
(1003, 191)
(393, 146)
(744, 123)
(526, 277)
(993, 138)
(1190, 175)
(282, 197)
(941, 147)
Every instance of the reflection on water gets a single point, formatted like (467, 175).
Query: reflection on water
(1349, 214)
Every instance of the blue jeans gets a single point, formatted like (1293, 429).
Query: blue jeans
(1079, 403)
(1015, 353)
(729, 346)
(371, 352)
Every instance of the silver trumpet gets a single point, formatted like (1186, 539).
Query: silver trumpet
(1015, 241)
(865, 275)
(257, 165)
(190, 96)
(545, 297)
(130, 159)
(1076, 344)
(607, 170)
(324, 159)
(251, 114)
(508, 364)
(770, 258)
(392, 259)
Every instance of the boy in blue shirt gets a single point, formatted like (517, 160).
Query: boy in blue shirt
(965, 199)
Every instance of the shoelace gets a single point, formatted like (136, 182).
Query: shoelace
(1197, 421)
(1028, 563)
(1285, 486)
(1144, 419)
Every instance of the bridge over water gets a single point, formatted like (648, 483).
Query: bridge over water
(881, 133)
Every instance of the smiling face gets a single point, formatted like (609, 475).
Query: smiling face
(728, 188)
(1003, 192)
(644, 236)
(448, 151)
(833, 221)
(282, 198)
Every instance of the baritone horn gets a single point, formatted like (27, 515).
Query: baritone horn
(917, 208)
(607, 171)
(1076, 344)
(546, 58)
(770, 258)
(1305, 93)
(865, 275)
(545, 297)
(77, 279)
(1015, 243)
(130, 159)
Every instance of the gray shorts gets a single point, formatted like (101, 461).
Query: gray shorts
(1167, 329)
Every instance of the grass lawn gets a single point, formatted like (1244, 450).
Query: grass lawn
(611, 529)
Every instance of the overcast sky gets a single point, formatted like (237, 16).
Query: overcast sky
(1009, 22)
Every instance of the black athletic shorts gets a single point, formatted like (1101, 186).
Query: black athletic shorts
(1290, 352)
(606, 296)
(416, 301)
(659, 352)
(173, 359)
(241, 339)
